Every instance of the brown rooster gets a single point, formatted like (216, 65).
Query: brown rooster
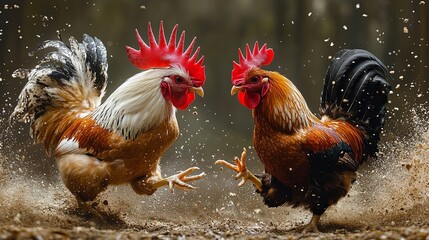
(122, 140)
(311, 161)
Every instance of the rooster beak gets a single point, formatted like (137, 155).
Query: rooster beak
(235, 89)
(197, 90)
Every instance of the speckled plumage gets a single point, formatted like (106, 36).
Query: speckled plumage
(66, 84)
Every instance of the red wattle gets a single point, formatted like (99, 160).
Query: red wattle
(249, 99)
(182, 100)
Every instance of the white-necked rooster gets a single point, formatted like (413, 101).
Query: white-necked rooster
(121, 140)
(311, 161)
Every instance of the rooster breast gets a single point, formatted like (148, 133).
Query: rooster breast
(282, 155)
(127, 158)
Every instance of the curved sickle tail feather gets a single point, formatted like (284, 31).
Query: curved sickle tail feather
(67, 83)
(356, 89)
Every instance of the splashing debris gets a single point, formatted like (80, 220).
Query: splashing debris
(394, 187)
(405, 30)
(401, 167)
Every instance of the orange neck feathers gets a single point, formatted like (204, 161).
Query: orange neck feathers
(284, 106)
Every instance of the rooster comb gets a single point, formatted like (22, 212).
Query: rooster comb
(257, 58)
(163, 54)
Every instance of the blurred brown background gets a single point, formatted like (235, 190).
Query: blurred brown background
(304, 34)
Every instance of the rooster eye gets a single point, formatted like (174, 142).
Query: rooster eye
(254, 79)
(178, 79)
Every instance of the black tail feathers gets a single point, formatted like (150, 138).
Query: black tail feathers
(356, 89)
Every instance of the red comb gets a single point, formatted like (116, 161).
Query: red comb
(258, 58)
(159, 55)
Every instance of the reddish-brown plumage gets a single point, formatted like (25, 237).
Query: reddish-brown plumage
(349, 134)
(281, 154)
(88, 134)
(308, 161)
(286, 131)
(285, 155)
(287, 135)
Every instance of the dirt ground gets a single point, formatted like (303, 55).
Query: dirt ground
(209, 230)
(389, 200)
(60, 219)
(77, 225)
(380, 207)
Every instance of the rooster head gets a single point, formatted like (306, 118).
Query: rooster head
(247, 77)
(187, 73)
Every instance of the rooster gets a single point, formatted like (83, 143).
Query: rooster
(121, 140)
(310, 161)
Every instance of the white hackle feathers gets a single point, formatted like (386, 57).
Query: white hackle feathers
(138, 104)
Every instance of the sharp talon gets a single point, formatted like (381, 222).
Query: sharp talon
(188, 171)
(243, 181)
(244, 152)
(220, 162)
(227, 164)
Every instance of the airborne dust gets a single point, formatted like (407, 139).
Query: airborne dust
(392, 190)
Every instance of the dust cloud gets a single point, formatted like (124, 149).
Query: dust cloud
(392, 190)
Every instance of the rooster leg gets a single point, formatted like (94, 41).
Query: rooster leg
(241, 169)
(86, 206)
(311, 227)
(148, 185)
(179, 180)
(85, 176)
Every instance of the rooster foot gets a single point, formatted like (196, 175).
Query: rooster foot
(87, 206)
(242, 171)
(311, 227)
(180, 180)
